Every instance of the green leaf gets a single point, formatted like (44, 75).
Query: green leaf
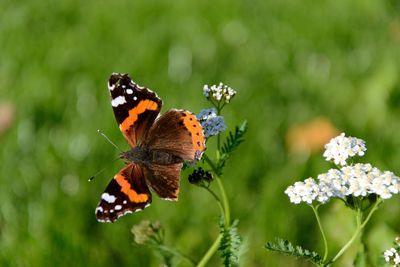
(232, 141)
(230, 244)
(286, 248)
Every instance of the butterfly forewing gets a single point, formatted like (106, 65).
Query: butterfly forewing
(179, 133)
(126, 193)
(135, 108)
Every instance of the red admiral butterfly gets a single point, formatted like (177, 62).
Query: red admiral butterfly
(159, 146)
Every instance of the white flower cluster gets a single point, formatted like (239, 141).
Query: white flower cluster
(340, 148)
(306, 191)
(358, 180)
(220, 92)
(392, 256)
(211, 123)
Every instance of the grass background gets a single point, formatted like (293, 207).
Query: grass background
(290, 61)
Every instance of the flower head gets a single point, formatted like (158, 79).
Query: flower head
(340, 148)
(392, 255)
(306, 191)
(206, 114)
(199, 176)
(211, 123)
(359, 180)
(219, 92)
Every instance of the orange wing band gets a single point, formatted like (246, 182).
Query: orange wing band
(135, 112)
(192, 124)
(126, 189)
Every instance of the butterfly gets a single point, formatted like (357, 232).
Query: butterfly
(159, 145)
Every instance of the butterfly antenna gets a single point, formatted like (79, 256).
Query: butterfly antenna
(108, 139)
(112, 143)
(102, 170)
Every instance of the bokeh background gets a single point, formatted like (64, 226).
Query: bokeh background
(304, 70)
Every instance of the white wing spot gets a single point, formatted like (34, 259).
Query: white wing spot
(99, 209)
(122, 214)
(170, 199)
(111, 87)
(125, 202)
(123, 86)
(129, 91)
(111, 210)
(108, 198)
(104, 221)
(118, 207)
(135, 98)
(127, 212)
(118, 101)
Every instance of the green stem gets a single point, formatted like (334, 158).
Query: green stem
(216, 198)
(227, 215)
(315, 209)
(218, 136)
(360, 225)
(373, 209)
(224, 207)
(210, 252)
(221, 189)
(350, 242)
(210, 163)
(176, 253)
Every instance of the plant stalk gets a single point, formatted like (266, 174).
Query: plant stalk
(210, 252)
(221, 207)
(360, 226)
(315, 209)
(176, 253)
(227, 215)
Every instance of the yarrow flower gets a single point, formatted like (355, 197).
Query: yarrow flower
(306, 191)
(358, 180)
(218, 93)
(211, 123)
(392, 255)
(340, 148)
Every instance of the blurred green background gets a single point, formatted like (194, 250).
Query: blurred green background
(290, 61)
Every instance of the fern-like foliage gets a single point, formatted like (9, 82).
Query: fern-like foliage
(230, 244)
(285, 247)
(232, 141)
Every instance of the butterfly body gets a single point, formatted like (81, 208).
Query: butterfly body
(145, 156)
(159, 147)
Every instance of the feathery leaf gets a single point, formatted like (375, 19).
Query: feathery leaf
(230, 244)
(285, 247)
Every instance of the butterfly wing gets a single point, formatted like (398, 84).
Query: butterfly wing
(126, 193)
(164, 179)
(179, 133)
(135, 108)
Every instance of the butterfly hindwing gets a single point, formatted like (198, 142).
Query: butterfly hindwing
(135, 108)
(164, 179)
(126, 193)
(179, 133)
